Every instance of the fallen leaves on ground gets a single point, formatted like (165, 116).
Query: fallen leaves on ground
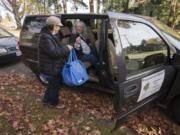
(79, 103)
(93, 103)
(76, 103)
(152, 121)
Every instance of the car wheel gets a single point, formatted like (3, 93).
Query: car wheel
(42, 79)
(174, 110)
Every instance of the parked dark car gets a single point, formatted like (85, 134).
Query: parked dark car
(9, 47)
(139, 58)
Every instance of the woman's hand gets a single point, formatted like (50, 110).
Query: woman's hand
(77, 43)
(70, 47)
(77, 46)
(78, 40)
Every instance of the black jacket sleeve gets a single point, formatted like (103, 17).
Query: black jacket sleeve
(72, 39)
(51, 49)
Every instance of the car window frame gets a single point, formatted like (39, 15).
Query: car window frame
(145, 70)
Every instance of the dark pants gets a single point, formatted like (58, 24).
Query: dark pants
(51, 95)
(91, 58)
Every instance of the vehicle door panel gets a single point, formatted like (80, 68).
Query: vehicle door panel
(174, 92)
(130, 86)
(30, 57)
(29, 37)
(29, 48)
(128, 102)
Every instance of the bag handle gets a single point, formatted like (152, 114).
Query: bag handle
(72, 56)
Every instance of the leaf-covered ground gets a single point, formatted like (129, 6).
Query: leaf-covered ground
(22, 112)
(87, 112)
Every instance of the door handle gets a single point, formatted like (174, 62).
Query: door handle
(131, 90)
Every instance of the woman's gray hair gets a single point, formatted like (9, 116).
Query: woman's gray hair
(81, 23)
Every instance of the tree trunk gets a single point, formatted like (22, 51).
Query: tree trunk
(173, 15)
(65, 6)
(91, 6)
(38, 8)
(103, 2)
(18, 22)
(110, 3)
(17, 18)
(44, 6)
(98, 6)
(126, 6)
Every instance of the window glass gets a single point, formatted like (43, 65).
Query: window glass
(4, 33)
(142, 46)
(33, 25)
(31, 29)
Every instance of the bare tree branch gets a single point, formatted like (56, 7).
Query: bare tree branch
(5, 4)
(14, 7)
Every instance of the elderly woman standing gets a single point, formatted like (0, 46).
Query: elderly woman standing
(51, 60)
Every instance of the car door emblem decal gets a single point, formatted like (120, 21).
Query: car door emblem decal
(146, 87)
(151, 84)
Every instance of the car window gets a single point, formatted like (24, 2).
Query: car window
(4, 33)
(31, 29)
(142, 46)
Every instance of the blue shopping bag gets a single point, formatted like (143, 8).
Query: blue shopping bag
(74, 72)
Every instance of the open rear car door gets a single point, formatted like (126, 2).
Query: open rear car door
(143, 59)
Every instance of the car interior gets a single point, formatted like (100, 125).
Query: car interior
(32, 28)
(93, 28)
(142, 61)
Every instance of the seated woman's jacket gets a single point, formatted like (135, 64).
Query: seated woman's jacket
(51, 54)
(85, 46)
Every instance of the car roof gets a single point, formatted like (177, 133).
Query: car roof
(74, 16)
(115, 15)
(128, 16)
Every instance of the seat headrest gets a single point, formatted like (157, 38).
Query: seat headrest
(65, 31)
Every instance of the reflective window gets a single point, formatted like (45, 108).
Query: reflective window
(142, 46)
(4, 33)
(31, 29)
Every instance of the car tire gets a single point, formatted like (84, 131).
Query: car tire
(42, 79)
(174, 110)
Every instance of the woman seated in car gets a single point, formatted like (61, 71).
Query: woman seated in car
(82, 44)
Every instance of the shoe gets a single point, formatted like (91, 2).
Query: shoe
(45, 101)
(60, 106)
